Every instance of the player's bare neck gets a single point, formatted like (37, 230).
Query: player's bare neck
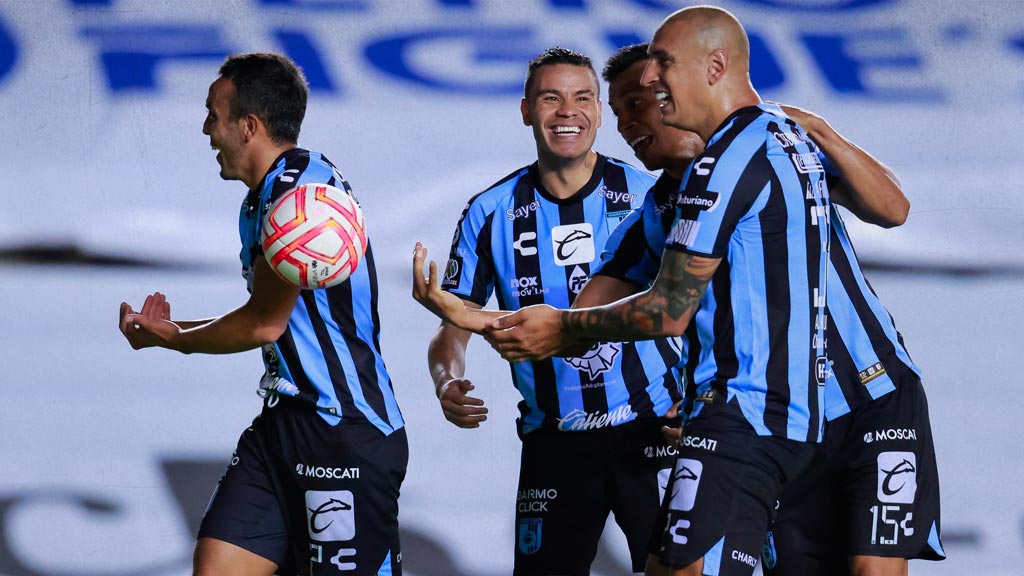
(563, 177)
(262, 159)
(729, 101)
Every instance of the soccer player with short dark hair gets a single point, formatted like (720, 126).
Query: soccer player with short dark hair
(589, 422)
(313, 485)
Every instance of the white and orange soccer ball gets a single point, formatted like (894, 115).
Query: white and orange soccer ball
(314, 236)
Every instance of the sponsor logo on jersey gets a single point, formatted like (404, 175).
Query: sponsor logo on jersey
(685, 481)
(526, 243)
(619, 197)
(529, 535)
(578, 419)
(521, 211)
(573, 244)
(897, 477)
(684, 232)
(452, 273)
(870, 373)
(701, 200)
(577, 280)
(807, 163)
(526, 286)
(330, 515)
(598, 360)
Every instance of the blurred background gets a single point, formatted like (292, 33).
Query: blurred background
(110, 192)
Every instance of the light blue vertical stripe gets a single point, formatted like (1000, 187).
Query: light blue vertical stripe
(363, 316)
(524, 381)
(311, 357)
(327, 397)
(798, 338)
(876, 306)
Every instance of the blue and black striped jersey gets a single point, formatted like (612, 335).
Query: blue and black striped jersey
(866, 353)
(757, 198)
(329, 356)
(524, 245)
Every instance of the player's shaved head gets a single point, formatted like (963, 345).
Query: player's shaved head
(700, 68)
(712, 28)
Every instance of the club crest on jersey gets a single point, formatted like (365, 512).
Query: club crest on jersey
(768, 555)
(529, 535)
(573, 244)
(598, 360)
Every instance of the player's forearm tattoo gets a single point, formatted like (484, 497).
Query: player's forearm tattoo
(669, 304)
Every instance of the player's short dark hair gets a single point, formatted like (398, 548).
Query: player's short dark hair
(271, 87)
(553, 56)
(622, 59)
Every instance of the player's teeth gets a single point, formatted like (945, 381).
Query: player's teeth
(567, 130)
(661, 95)
(636, 141)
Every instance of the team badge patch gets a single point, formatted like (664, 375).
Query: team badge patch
(529, 535)
(452, 273)
(598, 360)
(768, 555)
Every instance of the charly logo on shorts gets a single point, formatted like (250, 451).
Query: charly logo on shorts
(897, 477)
(330, 515)
(685, 480)
(529, 535)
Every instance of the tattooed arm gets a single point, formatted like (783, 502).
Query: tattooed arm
(538, 332)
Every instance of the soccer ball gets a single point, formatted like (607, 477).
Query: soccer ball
(314, 236)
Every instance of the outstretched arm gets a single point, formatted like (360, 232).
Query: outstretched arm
(446, 357)
(538, 332)
(869, 188)
(261, 320)
(446, 306)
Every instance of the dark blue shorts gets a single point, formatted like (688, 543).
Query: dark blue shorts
(721, 497)
(570, 481)
(873, 490)
(313, 498)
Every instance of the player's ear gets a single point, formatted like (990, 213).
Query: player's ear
(718, 62)
(250, 126)
(526, 112)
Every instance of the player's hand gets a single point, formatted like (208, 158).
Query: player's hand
(531, 333)
(672, 434)
(808, 120)
(427, 290)
(150, 327)
(459, 408)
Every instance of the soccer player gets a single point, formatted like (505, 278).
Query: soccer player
(822, 525)
(590, 422)
(752, 219)
(313, 485)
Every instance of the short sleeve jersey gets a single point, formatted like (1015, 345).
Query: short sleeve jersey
(757, 198)
(329, 356)
(867, 356)
(517, 241)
